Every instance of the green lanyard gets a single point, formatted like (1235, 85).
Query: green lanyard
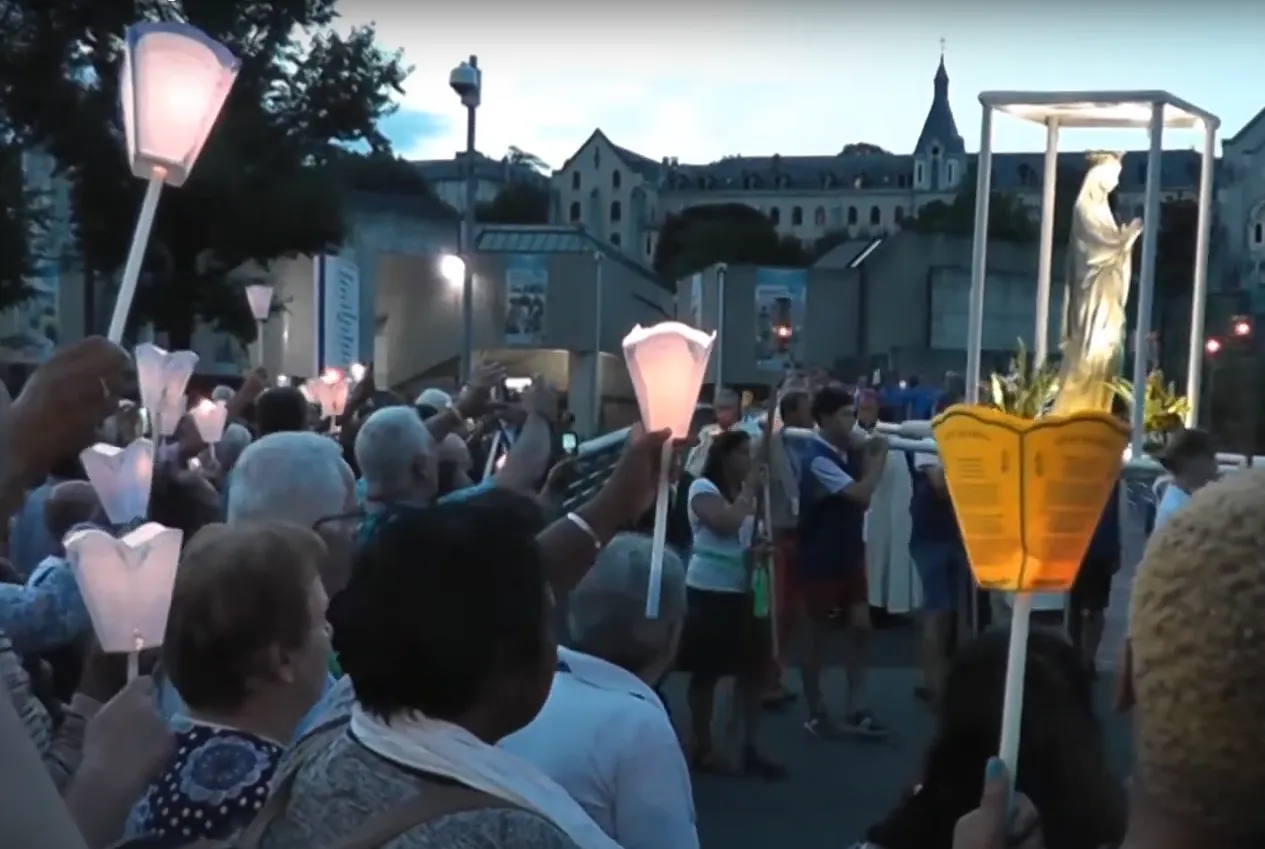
(759, 577)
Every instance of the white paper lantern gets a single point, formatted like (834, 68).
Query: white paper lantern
(210, 418)
(126, 583)
(163, 376)
(121, 478)
(329, 391)
(175, 79)
(666, 363)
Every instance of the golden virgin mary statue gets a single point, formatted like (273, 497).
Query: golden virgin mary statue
(1100, 260)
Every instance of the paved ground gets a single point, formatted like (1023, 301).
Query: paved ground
(836, 789)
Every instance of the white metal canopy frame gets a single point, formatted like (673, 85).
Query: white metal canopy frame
(1056, 110)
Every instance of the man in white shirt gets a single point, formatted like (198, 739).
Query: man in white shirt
(603, 734)
(1191, 460)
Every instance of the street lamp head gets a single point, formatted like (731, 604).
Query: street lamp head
(453, 269)
(467, 81)
(1212, 346)
(175, 79)
(259, 296)
(1241, 326)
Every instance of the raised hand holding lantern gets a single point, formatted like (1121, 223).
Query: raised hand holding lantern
(126, 585)
(329, 391)
(210, 418)
(163, 376)
(666, 363)
(174, 81)
(121, 478)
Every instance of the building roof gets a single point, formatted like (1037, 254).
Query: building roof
(553, 239)
(485, 168)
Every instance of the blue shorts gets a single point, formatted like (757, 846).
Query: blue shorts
(943, 570)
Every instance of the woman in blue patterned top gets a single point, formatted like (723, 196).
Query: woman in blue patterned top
(246, 648)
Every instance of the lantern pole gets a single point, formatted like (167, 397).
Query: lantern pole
(136, 255)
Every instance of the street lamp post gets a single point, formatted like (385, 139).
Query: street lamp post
(1238, 341)
(467, 81)
(259, 297)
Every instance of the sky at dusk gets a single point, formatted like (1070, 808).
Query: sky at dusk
(702, 80)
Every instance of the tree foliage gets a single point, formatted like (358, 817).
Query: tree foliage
(516, 156)
(863, 149)
(23, 217)
(700, 236)
(517, 203)
(1008, 218)
(272, 178)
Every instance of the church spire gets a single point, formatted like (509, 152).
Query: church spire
(940, 130)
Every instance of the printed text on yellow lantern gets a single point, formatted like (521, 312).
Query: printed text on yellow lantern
(1028, 494)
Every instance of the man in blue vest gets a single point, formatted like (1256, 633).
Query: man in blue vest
(838, 473)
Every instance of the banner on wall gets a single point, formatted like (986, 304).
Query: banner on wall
(337, 312)
(779, 317)
(526, 299)
(695, 317)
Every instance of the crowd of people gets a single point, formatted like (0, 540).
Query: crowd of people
(370, 644)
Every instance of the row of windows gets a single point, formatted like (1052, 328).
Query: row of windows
(819, 216)
(617, 180)
(775, 215)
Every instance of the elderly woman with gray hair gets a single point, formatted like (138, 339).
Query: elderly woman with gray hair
(623, 763)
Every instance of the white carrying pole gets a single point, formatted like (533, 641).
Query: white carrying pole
(1016, 671)
(1045, 257)
(718, 355)
(979, 257)
(489, 467)
(1199, 292)
(771, 565)
(1146, 278)
(135, 257)
(596, 403)
(659, 541)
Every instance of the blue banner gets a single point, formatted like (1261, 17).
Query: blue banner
(780, 295)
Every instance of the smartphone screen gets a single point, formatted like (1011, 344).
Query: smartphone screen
(570, 442)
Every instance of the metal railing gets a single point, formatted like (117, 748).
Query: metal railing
(596, 458)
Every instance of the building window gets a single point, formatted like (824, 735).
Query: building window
(617, 211)
(819, 217)
(797, 216)
(900, 214)
(852, 215)
(616, 239)
(1258, 234)
(918, 174)
(775, 215)
(649, 246)
(575, 180)
(950, 173)
(575, 211)
(597, 157)
(616, 178)
(876, 215)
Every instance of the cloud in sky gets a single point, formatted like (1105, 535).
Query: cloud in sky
(698, 82)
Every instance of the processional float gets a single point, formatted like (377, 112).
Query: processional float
(1028, 494)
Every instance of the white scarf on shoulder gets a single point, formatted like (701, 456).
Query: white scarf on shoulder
(444, 749)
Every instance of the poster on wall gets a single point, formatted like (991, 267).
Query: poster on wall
(337, 312)
(695, 317)
(526, 299)
(779, 317)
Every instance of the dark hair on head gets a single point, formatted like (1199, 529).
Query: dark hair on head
(68, 469)
(1062, 766)
(179, 499)
(426, 411)
(281, 409)
(1185, 445)
(723, 444)
(790, 402)
(829, 400)
(241, 592)
(454, 595)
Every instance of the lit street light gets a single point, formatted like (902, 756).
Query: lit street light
(1213, 346)
(467, 81)
(259, 298)
(175, 79)
(452, 269)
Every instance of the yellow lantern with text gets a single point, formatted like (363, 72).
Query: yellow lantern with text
(1028, 494)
